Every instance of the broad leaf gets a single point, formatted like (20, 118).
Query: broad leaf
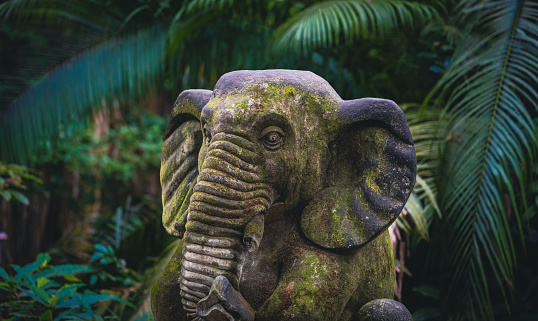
(62, 270)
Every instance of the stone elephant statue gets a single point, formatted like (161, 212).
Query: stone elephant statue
(281, 193)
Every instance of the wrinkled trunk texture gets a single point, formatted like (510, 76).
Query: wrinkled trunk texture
(228, 194)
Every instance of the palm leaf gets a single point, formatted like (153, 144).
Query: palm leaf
(45, 33)
(493, 91)
(56, 13)
(326, 23)
(117, 68)
(422, 206)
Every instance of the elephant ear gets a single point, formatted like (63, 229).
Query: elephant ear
(371, 174)
(179, 157)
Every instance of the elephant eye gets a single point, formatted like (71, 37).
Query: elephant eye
(272, 137)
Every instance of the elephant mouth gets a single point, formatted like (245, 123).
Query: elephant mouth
(225, 217)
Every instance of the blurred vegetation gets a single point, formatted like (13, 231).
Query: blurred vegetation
(43, 291)
(85, 86)
(13, 179)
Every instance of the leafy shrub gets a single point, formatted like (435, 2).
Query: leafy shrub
(118, 156)
(42, 291)
(13, 179)
(110, 268)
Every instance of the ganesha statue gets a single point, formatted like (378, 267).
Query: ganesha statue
(281, 194)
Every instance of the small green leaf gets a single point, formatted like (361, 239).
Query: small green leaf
(34, 296)
(96, 256)
(402, 267)
(53, 300)
(67, 292)
(43, 259)
(6, 195)
(42, 281)
(46, 316)
(100, 248)
(20, 197)
(4, 274)
(71, 278)
(25, 272)
(427, 290)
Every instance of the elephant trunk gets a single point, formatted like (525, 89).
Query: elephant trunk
(228, 195)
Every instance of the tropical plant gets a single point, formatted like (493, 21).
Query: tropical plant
(133, 62)
(126, 65)
(422, 207)
(119, 153)
(489, 94)
(123, 254)
(42, 291)
(475, 158)
(491, 97)
(328, 23)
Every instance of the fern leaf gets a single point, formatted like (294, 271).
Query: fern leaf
(492, 85)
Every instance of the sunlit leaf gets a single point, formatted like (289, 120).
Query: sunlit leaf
(42, 281)
(71, 278)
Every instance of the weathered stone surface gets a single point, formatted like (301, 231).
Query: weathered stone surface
(384, 310)
(281, 193)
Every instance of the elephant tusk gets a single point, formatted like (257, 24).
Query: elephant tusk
(253, 234)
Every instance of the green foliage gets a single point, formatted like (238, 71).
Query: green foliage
(422, 208)
(492, 93)
(14, 178)
(130, 65)
(42, 291)
(117, 156)
(327, 23)
(111, 269)
(474, 201)
(133, 232)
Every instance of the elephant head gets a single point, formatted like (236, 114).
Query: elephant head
(278, 144)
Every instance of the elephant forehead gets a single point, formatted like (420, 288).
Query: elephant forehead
(241, 80)
(247, 106)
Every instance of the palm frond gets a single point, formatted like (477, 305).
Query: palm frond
(116, 68)
(422, 206)
(196, 5)
(50, 13)
(492, 141)
(326, 23)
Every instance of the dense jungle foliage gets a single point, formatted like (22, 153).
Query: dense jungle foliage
(85, 88)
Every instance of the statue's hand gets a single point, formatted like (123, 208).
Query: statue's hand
(224, 303)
